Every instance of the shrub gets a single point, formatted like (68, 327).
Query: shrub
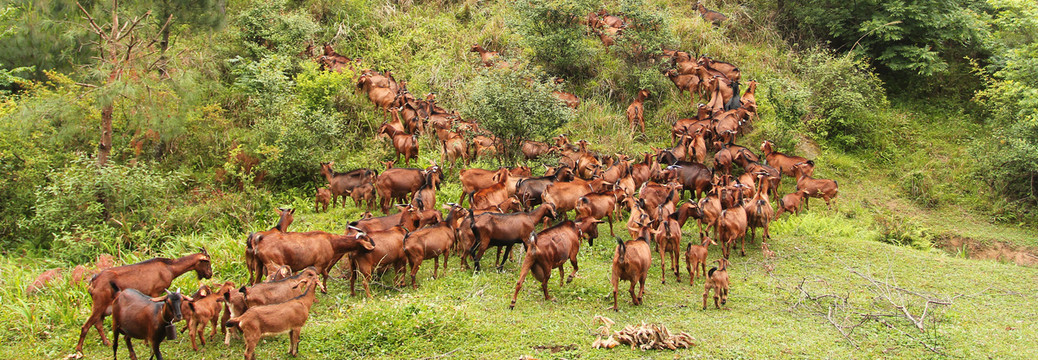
(647, 32)
(515, 106)
(552, 29)
(269, 26)
(843, 101)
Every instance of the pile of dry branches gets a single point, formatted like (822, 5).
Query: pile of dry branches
(643, 337)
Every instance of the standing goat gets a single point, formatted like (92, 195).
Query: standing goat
(276, 319)
(150, 277)
(139, 316)
(717, 280)
(636, 111)
(550, 249)
(631, 262)
(695, 258)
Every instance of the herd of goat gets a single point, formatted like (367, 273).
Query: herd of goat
(659, 191)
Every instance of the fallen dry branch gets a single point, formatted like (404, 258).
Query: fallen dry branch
(642, 337)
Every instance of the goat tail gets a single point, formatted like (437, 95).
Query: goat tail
(475, 234)
(621, 249)
(115, 288)
(710, 273)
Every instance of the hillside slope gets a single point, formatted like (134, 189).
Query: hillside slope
(839, 285)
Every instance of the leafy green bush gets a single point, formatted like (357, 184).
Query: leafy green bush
(514, 106)
(1010, 163)
(322, 90)
(116, 200)
(269, 26)
(647, 32)
(910, 38)
(552, 29)
(843, 99)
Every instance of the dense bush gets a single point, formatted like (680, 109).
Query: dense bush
(909, 38)
(551, 28)
(515, 106)
(1010, 162)
(268, 26)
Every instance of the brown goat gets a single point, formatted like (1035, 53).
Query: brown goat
(475, 179)
(667, 235)
(783, 162)
(819, 188)
(601, 205)
(425, 197)
(695, 258)
(323, 197)
(495, 229)
(255, 267)
(432, 241)
(395, 184)
(636, 111)
(730, 225)
(535, 149)
(265, 320)
(710, 15)
(684, 83)
(791, 203)
(562, 196)
(388, 252)
(759, 212)
(364, 196)
(300, 250)
(567, 98)
(717, 280)
(150, 277)
(141, 316)
(405, 144)
(454, 147)
(530, 191)
(487, 57)
(483, 146)
(203, 309)
(341, 184)
(631, 262)
(550, 249)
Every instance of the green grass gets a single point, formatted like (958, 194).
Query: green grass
(467, 313)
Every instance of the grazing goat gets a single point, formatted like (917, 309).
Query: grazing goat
(631, 262)
(791, 203)
(568, 99)
(550, 249)
(277, 291)
(717, 280)
(783, 162)
(387, 252)
(535, 149)
(266, 320)
(150, 277)
(495, 229)
(322, 198)
(140, 316)
(695, 258)
(636, 111)
(819, 188)
(432, 241)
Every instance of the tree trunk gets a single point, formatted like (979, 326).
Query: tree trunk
(104, 148)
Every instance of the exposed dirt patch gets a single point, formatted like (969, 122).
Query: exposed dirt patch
(1020, 255)
(556, 348)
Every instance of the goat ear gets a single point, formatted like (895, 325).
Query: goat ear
(160, 298)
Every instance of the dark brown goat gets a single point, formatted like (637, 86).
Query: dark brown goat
(495, 229)
(140, 316)
(550, 249)
(150, 277)
(631, 262)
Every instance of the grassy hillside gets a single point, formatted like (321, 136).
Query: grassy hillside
(240, 126)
